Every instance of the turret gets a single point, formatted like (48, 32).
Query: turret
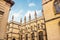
(35, 15)
(25, 19)
(20, 21)
(29, 17)
(12, 18)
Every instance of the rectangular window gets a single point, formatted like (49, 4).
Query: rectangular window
(1, 14)
(57, 6)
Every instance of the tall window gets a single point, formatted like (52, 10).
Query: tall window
(21, 37)
(57, 6)
(41, 35)
(32, 36)
(26, 36)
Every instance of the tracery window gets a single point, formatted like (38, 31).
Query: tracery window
(41, 36)
(57, 6)
(32, 36)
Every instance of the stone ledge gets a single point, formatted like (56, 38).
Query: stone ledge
(10, 1)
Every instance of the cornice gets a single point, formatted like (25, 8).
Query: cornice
(52, 19)
(10, 2)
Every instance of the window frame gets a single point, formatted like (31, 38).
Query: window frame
(55, 8)
(41, 35)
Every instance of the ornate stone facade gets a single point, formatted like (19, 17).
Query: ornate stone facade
(31, 30)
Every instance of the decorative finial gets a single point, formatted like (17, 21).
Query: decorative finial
(25, 19)
(35, 15)
(21, 21)
(12, 17)
(29, 17)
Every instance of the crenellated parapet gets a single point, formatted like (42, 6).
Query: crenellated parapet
(25, 18)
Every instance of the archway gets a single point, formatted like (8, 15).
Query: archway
(14, 39)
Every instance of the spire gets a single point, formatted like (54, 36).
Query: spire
(12, 17)
(35, 15)
(25, 19)
(29, 17)
(21, 21)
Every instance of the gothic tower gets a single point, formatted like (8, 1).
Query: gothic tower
(51, 13)
(5, 7)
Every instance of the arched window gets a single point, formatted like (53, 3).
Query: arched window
(41, 36)
(14, 39)
(57, 6)
(32, 36)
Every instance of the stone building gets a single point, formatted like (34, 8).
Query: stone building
(51, 13)
(31, 30)
(5, 6)
(46, 27)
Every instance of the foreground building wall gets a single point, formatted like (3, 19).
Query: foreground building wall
(51, 13)
(5, 7)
